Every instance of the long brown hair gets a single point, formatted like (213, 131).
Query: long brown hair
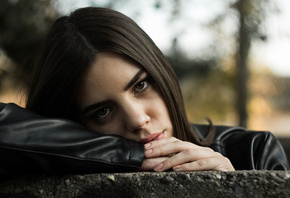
(71, 47)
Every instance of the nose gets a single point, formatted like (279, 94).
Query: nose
(136, 116)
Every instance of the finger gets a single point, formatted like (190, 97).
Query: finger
(156, 143)
(149, 164)
(215, 163)
(172, 148)
(187, 156)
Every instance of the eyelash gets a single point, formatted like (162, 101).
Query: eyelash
(100, 119)
(145, 81)
(97, 117)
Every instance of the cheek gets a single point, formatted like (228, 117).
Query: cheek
(159, 108)
(90, 125)
(112, 127)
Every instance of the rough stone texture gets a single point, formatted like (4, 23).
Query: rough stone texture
(148, 184)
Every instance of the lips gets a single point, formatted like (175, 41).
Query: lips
(152, 137)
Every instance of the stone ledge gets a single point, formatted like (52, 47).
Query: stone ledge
(149, 184)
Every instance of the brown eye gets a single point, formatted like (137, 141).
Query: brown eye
(102, 113)
(141, 86)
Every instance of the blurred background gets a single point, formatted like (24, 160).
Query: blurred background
(231, 56)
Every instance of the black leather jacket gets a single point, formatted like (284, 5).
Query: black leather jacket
(30, 143)
(247, 150)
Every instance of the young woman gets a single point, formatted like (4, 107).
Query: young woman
(99, 68)
(92, 70)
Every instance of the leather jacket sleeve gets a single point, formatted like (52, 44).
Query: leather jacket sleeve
(248, 150)
(30, 143)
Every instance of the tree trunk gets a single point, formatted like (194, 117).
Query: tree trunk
(241, 63)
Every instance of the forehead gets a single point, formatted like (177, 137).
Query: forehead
(109, 67)
(107, 77)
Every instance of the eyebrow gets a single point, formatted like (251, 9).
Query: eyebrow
(94, 106)
(130, 84)
(134, 79)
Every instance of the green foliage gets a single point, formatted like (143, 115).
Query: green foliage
(184, 66)
(23, 24)
(209, 96)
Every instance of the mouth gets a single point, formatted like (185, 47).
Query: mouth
(152, 137)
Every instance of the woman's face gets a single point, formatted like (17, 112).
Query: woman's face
(118, 97)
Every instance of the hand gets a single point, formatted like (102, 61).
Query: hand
(185, 156)
(149, 164)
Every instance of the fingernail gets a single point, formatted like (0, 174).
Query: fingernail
(176, 168)
(147, 145)
(158, 168)
(148, 152)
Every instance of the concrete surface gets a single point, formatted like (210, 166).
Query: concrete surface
(148, 184)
